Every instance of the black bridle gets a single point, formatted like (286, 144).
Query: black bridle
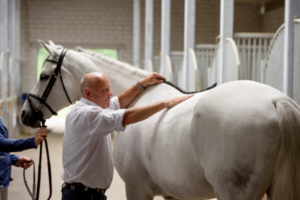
(39, 116)
(57, 70)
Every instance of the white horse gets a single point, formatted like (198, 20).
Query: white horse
(237, 141)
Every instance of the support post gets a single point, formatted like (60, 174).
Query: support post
(136, 33)
(11, 69)
(292, 10)
(189, 39)
(148, 33)
(226, 30)
(3, 49)
(165, 34)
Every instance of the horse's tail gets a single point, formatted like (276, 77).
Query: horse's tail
(286, 180)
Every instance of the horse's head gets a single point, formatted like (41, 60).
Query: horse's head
(55, 89)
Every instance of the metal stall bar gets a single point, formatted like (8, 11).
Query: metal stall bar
(274, 61)
(252, 51)
(205, 56)
(176, 58)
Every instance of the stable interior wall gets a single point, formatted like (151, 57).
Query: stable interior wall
(109, 24)
(273, 17)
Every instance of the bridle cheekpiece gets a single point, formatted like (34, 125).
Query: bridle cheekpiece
(57, 71)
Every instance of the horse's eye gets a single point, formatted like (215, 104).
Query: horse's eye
(43, 77)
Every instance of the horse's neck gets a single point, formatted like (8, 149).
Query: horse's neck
(120, 75)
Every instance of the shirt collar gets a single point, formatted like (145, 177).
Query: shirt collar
(88, 102)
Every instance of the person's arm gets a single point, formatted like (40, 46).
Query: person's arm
(136, 114)
(126, 97)
(8, 145)
(13, 159)
(21, 161)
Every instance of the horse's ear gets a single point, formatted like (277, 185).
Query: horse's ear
(51, 43)
(53, 51)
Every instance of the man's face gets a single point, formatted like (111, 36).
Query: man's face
(102, 93)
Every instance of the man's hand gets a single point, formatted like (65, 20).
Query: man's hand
(24, 162)
(126, 97)
(40, 136)
(169, 103)
(152, 79)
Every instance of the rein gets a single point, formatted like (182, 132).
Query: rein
(184, 92)
(37, 189)
(39, 115)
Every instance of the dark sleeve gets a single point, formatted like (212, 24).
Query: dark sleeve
(8, 145)
(14, 159)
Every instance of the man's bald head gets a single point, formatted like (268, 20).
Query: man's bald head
(96, 87)
(90, 81)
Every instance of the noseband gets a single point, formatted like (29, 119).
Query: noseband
(39, 114)
(49, 87)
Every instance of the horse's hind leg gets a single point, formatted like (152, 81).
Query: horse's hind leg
(237, 192)
(232, 184)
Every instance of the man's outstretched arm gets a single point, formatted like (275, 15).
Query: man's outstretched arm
(136, 114)
(126, 97)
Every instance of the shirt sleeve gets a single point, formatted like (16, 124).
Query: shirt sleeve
(14, 158)
(114, 103)
(102, 122)
(8, 145)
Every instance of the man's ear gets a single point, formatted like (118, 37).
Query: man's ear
(52, 50)
(87, 92)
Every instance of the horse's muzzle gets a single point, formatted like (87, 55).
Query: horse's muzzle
(29, 117)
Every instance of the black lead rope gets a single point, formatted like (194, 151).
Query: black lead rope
(37, 189)
(184, 92)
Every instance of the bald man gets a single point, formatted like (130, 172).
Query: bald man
(87, 155)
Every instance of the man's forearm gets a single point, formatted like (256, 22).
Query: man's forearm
(129, 95)
(126, 97)
(136, 114)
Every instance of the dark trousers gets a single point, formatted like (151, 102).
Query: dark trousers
(68, 194)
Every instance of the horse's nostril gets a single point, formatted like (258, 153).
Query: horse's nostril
(23, 114)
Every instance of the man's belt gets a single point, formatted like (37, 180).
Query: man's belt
(81, 187)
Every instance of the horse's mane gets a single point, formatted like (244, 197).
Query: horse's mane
(109, 61)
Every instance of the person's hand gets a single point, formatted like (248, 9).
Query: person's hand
(24, 162)
(152, 79)
(177, 100)
(40, 136)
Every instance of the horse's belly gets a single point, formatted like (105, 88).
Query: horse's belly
(159, 151)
